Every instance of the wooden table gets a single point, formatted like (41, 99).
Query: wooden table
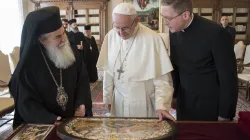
(3, 84)
(6, 106)
(210, 131)
(190, 130)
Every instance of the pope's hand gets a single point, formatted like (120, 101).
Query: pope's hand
(162, 113)
(80, 111)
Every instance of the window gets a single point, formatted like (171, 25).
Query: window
(11, 14)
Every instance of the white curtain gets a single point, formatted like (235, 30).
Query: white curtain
(11, 14)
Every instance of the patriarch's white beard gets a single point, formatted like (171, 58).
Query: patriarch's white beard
(62, 57)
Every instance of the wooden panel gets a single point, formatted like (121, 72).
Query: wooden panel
(235, 3)
(243, 3)
(203, 3)
(248, 30)
(227, 3)
(61, 5)
(93, 4)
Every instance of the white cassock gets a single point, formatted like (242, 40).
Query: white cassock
(145, 84)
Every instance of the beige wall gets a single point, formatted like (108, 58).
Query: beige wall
(111, 6)
(31, 6)
(28, 6)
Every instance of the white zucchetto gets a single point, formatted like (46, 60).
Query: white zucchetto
(124, 9)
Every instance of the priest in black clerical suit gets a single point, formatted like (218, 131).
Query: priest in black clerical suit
(205, 75)
(91, 54)
(65, 23)
(75, 36)
(231, 30)
(50, 81)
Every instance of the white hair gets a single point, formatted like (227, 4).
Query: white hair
(44, 36)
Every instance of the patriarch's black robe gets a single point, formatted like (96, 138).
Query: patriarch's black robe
(35, 91)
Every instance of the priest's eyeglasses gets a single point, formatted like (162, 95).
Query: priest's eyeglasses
(167, 21)
(125, 29)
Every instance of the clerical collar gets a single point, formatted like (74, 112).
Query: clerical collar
(189, 23)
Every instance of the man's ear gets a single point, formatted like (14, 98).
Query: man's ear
(186, 15)
(43, 39)
(137, 19)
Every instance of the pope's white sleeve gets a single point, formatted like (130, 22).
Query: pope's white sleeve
(108, 85)
(163, 91)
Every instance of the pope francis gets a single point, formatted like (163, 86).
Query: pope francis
(137, 80)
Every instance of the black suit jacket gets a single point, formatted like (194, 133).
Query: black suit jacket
(231, 30)
(205, 75)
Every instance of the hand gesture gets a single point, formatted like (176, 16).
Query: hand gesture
(162, 113)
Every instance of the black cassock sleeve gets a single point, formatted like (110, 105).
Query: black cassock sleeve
(176, 81)
(96, 51)
(83, 95)
(175, 72)
(233, 34)
(225, 62)
(30, 105)
(93, 42)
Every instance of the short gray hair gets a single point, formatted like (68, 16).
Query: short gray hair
(179, 5)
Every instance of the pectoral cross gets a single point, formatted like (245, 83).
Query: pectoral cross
(120, 71)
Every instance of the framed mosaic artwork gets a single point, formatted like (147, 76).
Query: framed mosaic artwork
(148, 12)
(116, 128)
(33, 132)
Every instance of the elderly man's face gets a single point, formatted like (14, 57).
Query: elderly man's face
(55, 39)
(58, 48)
(124, 25)
(224, 20)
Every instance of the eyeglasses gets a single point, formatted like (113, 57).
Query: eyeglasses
(125, 29)
(169, 20)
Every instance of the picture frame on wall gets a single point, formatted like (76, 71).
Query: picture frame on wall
(148, 12)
